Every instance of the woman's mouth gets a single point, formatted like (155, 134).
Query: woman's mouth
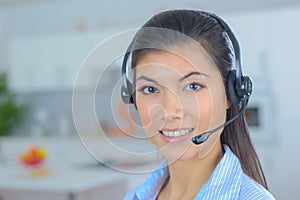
(175, 135)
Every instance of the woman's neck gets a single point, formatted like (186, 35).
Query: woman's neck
(188, 176)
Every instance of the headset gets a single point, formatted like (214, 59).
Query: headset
(239, 87)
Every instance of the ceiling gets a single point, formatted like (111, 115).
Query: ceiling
(214, 5)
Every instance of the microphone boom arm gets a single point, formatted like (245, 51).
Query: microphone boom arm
(203, 137)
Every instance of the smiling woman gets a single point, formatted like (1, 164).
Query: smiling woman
(183, 85)
(178, 102)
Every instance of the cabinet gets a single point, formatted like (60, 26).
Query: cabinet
(52, 61)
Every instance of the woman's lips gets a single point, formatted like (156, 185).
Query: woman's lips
(176, 135)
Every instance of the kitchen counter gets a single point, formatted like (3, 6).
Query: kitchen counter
(69, 172)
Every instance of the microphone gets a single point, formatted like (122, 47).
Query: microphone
(199, 139)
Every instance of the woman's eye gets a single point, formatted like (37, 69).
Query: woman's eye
(149, 90)
(194, 87)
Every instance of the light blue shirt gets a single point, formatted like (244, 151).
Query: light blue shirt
(228, 181)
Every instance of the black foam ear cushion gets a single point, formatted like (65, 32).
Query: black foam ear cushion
(131, 93)
(133, 99)
(128, 96)
(125, 96)
(231, 90)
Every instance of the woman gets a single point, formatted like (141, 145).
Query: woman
(183, 86)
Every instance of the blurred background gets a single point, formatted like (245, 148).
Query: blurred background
(44, 43)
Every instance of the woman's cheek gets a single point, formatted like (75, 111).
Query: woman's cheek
(149, 113)
(204, 115)
(143, 110)
(201, 110)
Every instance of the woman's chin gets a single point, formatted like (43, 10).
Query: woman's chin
(178, 155)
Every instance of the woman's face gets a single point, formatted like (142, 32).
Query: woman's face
(180, 94)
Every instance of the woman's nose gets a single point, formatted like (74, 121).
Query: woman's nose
(172, 106)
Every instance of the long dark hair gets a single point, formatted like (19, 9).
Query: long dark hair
(211, 36)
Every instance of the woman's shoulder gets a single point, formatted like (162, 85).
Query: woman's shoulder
(151, 186)
(250, 189)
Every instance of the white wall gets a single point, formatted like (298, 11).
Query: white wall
(283, 45)
(2, 50)
(270, 43)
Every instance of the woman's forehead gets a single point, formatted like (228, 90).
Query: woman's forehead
(180, 59)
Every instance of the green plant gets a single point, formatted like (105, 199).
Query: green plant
(11, 113)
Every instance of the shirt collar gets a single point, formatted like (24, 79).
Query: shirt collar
(226, 179)
(152, 186)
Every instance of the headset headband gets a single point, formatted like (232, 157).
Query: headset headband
(240, 86)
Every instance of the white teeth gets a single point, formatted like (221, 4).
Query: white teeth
(177, 133)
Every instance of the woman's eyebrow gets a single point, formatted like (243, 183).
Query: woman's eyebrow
(147, 79)
(191, 74)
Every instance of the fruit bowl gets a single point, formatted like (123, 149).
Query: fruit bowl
(33, 156)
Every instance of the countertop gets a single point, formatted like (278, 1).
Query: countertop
(75, 165)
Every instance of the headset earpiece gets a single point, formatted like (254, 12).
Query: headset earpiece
(231, 88)
(238, 92)
(246, 87)
(125, 96)
(127, 93)
(128, 96)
